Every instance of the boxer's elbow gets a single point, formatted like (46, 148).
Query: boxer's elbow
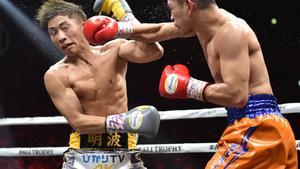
(239, 99)
(159, 52)
(74, 124)
(78, 125)
(156, 51)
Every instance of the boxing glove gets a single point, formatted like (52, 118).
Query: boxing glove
(100, 29)
(143, 120)
(118, 9)
(177, 83)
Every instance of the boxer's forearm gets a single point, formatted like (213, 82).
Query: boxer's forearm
(156, 32)
(226, 95)
(88, 124)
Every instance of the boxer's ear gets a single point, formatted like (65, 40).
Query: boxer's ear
(191, 6)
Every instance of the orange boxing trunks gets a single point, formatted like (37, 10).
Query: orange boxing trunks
(257, 137)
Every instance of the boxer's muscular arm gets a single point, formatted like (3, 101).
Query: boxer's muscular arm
(232, 49)
(157, 32)
(137, 52)
(69, 106)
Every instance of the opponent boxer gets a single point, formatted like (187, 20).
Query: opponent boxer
(258, 136)
(88, 87)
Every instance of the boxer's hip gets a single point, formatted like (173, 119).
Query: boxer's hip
(106, 150)
(105, 141)
(258, 136)
(93, 159)
(257, 105)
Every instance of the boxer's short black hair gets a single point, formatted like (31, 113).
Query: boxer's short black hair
(53, 8)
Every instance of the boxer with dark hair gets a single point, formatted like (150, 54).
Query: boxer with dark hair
(88, 87)
(258, 136)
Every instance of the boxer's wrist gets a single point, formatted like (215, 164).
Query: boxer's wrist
(196, 88)
(125, 30)
(115, 123)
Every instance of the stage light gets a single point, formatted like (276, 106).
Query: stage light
(274, 21)
(11, 15)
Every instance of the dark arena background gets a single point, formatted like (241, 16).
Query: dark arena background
(25, 55)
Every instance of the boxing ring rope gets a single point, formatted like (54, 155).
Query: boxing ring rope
(287, 108)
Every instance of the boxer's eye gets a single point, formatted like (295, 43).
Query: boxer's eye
(52, 32)
(64, 26)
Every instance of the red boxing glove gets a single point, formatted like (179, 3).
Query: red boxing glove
(100, 29)
(174, 81)
(177, 83)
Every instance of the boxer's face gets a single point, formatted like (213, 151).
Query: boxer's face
(66, 34)
(179, 14)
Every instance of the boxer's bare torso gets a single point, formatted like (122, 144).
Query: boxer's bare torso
(99, 84)
(258, 75)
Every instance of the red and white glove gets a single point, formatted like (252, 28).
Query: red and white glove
(100, 29)
(177, 83)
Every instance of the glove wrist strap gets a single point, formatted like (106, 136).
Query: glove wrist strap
(125, 30)
(196, 89)
(115, 123)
